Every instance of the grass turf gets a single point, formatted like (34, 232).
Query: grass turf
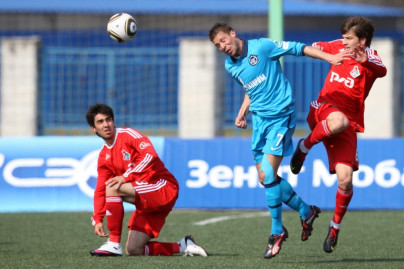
(368, 239)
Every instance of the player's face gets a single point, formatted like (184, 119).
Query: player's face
(104, 127)
(228, 43)
(352, 42)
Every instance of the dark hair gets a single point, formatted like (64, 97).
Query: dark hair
(98, 109)
(362, 27)
(219, 27)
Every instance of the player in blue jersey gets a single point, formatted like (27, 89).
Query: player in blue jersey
(255, 65)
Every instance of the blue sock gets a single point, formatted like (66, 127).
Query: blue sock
(273, 194)
(274, 201)
(290, 198)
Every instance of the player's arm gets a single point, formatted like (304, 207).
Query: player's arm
(241, 119)
(99, 202)
(335, 59)
(369, 59)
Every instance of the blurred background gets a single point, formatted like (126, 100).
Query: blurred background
(57, 59)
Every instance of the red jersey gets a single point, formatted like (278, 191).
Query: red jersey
(132, 156)
(348, 85)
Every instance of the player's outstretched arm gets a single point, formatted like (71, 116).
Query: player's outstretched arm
(335, 59)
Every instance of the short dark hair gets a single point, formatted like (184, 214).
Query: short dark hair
(98, 109)
(362, 27)
(219, 27)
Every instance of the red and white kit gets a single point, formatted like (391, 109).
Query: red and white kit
(345, 89)
(348, 85)
(133, 156)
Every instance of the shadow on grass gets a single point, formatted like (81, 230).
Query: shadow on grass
(7, 247)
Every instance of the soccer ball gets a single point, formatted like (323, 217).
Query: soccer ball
(122, 27)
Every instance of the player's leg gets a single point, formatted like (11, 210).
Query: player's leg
(114, 214)
(273, 192)
(273, 195)
(139, 243)
(135, 245)
(324, 120)
(114, 208)
(307, 213)
(153, 206)
(271, 140)
(343, 161)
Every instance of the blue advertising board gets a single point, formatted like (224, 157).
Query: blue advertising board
(59, 174)
(221, 174)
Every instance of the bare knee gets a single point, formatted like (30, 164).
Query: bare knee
(111, 191)
(261, 177)
(337, 122)
(132, 250)
(344, 175)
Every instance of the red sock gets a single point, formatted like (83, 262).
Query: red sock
(114, 209)
(154, 248)
(319, 132)
(341, 204)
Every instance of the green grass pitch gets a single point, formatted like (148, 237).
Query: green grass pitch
(368, 239)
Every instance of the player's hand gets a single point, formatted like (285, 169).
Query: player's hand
(115, 181)
(359, 54)
(241, 122)
(99, 230)
(338, 59)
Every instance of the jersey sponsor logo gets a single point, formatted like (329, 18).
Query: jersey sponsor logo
(253, 60)
(256, 81)
(349, 82)
(279, 44)
(125, 155)
(355, 72)
(144, 145)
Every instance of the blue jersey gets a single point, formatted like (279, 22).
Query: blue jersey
(260, 73)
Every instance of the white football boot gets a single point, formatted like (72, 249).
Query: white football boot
(189, 248)
(108, 249)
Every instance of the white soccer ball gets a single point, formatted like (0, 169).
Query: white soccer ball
(122, 27)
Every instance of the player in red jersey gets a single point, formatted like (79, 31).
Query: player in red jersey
(129, 170)
(338, 112)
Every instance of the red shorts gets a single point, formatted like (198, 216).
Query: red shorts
(153, 204)
(342, 147)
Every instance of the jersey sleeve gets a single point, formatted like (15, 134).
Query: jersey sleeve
(326, 46)
(275, 49)
(144, 159)
(99, 194)
(374, 64)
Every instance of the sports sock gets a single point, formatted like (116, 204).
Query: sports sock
(342, 200)
(303, 148)
(274, 201)
(319, 132)
(114, 209)
(154, 248)
(290, 198)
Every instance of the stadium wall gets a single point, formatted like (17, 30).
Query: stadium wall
(42, 174)
(80, 65)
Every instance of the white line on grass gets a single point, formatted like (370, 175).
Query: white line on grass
(224, 218)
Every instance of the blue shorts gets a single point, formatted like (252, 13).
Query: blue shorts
(272, 136)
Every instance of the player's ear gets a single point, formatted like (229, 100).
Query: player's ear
(233, 33)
